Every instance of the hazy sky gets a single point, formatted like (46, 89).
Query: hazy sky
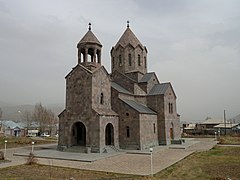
(193, 44)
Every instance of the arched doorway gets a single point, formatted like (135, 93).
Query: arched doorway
(109, 134)
(78, 134)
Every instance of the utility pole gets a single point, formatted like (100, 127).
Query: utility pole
(224, 116)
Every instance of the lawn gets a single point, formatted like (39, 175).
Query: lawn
(22, 141)
(217, 163)
(48, 172)
(229, 139)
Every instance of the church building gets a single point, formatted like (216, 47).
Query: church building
(126, 109)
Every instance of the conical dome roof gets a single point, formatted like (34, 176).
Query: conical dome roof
(89, 37)
(128, 37)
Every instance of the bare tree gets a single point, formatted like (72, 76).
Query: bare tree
(27, 118)
(45, 117)
(1, 113)
(1, 118)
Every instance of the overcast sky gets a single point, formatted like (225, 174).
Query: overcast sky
(193, 44)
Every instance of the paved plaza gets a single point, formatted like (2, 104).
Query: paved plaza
(126, 162)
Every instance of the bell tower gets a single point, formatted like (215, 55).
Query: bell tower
(89, 50)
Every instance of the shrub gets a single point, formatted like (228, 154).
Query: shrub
(2, 155)
(31, 159)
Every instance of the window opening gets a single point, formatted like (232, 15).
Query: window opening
(145, 61)
(139, 60)
(101, 100)
(129, 60)
(128, 131)
(120, 60)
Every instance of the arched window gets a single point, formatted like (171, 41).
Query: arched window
(128, 131)
(129, 59)
(113, 62)
(145, 61)
(169, 108)
(101, 98)
(120, 60)
(154, 128)
(139, 60)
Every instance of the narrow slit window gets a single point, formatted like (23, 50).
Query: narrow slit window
(128, 131)
(120, 60)
(101, 98)
(129, 59)
(139, 60)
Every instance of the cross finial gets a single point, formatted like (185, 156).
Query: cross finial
(89, 26)
(128, 24)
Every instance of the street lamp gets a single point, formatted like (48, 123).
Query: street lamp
(32, 146)
(5, 149)
(151, 153)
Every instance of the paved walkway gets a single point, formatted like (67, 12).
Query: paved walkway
(128, 162)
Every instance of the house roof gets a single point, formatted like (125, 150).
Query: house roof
(159, 89)
(228, 125)
(119, 88)
(141, 108)
(190, 126)
(147, 77)
(127, 38)
(89, 37)
(213, 121)
(11, 124)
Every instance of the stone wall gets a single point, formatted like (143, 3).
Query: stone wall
(128, 117)
(148, 131)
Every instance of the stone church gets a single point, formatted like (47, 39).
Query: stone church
(127, 109)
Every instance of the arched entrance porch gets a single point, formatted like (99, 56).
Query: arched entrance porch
(78, 134)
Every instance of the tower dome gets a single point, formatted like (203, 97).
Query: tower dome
(89, 50)
(129, 55)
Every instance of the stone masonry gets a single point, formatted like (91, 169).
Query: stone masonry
(128, 109)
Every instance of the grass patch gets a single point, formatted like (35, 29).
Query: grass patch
(217, 163)
(52, 172)
(229, 139)
(21, 141)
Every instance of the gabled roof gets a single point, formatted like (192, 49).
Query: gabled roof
(147, 77)
(213, 121)
(119, 88)
(11, 124)
(127, 38)
(161, 88)
(76, 67)
(89, 37)
(141, 108)
(228, 125)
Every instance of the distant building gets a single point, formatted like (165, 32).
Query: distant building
(229, 128)
(11, 128)
(128, 109)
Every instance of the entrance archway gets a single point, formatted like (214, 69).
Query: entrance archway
(78, 134)
(109, 134)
